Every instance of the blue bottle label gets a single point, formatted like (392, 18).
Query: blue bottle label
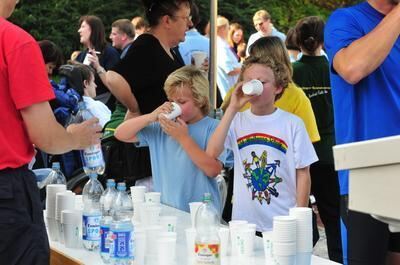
(91, 227)
(93, 156)
(104, 240)
(122, 247)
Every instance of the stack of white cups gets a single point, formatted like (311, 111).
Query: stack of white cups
(166, 248)
(150, 210)
(51, 191)
(64, 201)
(137, 194)
(304, 234)
(284, 240)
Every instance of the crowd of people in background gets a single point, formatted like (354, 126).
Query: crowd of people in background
(319, 89)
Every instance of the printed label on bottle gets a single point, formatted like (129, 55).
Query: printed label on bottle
(104, 240)
(91, 228)
(207, 254)
(122, 246)
(93, 156)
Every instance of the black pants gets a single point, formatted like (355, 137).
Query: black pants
(368, 240)
(23, 237)
(325, 188)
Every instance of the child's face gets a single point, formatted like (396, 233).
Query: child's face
(90, 87)
(191, 113)
(267, 78)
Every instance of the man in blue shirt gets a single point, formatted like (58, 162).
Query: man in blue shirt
(364, 49)
(194, 41)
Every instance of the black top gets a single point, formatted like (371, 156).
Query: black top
(311, 73)
(145, 67)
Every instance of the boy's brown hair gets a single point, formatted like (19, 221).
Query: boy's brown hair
(193, 78)
(281, 73)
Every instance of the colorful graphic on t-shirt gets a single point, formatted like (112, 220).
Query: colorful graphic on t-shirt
(261, 176)
(263, 139)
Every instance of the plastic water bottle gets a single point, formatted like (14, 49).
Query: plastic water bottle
(207, 242)
(121, 230)
(106, 201)
(91, 194)
(54, 176)
(92, 157)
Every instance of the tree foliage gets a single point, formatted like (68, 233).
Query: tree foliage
(57, 20)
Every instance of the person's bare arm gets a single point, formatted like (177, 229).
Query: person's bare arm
(366, 54)
(120, 88)
(127, 131)
(48, 135)
(179, 131)
(235, 71)
(303, 186)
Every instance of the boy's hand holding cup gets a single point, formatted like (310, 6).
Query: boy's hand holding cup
(176, 111)
(239, 98)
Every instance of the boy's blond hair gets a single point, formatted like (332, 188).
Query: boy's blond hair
(195, 80)
(261, 16)
(280, 71)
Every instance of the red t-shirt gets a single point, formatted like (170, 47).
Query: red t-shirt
(23, 82)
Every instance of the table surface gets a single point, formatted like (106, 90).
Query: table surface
(184, 221)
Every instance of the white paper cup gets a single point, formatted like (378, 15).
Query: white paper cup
(137, 210)
(86, 60)
(168, 223)
(52, 229)
(137, 193)
(223, 234)
(177, 111)
(153, 197)
(140, 246)
(166, 250)
(234, 227)
(150, 214)
(253, 87)
(71, 228)
(198, 58)
(245, 242)
(190, 241)
(51, 191)
(285, 260)
(268, 242)
(303, 258)
(194, 206)
(152, 234)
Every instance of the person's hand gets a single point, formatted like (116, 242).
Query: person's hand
(205, 66)
(176, 129)
(94, 60)
(164, 108)
(86, 133)
(238, 98)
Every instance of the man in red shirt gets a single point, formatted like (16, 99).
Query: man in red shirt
(26, 119)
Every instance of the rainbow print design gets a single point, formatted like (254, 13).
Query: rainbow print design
(262, 139)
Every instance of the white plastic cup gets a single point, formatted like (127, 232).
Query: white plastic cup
(223, 233)
(71, 222)
(268, 242)
(51, 191)
(190, 241)
(137, 193)
(303, 258)
(153, 197)
(152, 234)
(86, 60)
(234, 227)
(52, 229)
(166, 250)
(194, 206)
(168, 223)
(177, 111)
(150, 214)
(245, 242)
(137, 210)
(140, 246)
(253, 87)
(285, 260)
(198, 58)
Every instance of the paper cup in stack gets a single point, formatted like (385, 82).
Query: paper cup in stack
(166, 248)
(71, 221)
(51, 191)
(152, 234)
(234, 227)
(190, 241)
(245, 242)
(140, 246)
(304, 236)
(137, 194)
(150, 213)
(168, 223)
(284, 240)
(64, 201)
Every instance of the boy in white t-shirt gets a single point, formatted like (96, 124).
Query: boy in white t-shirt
(272, 150)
